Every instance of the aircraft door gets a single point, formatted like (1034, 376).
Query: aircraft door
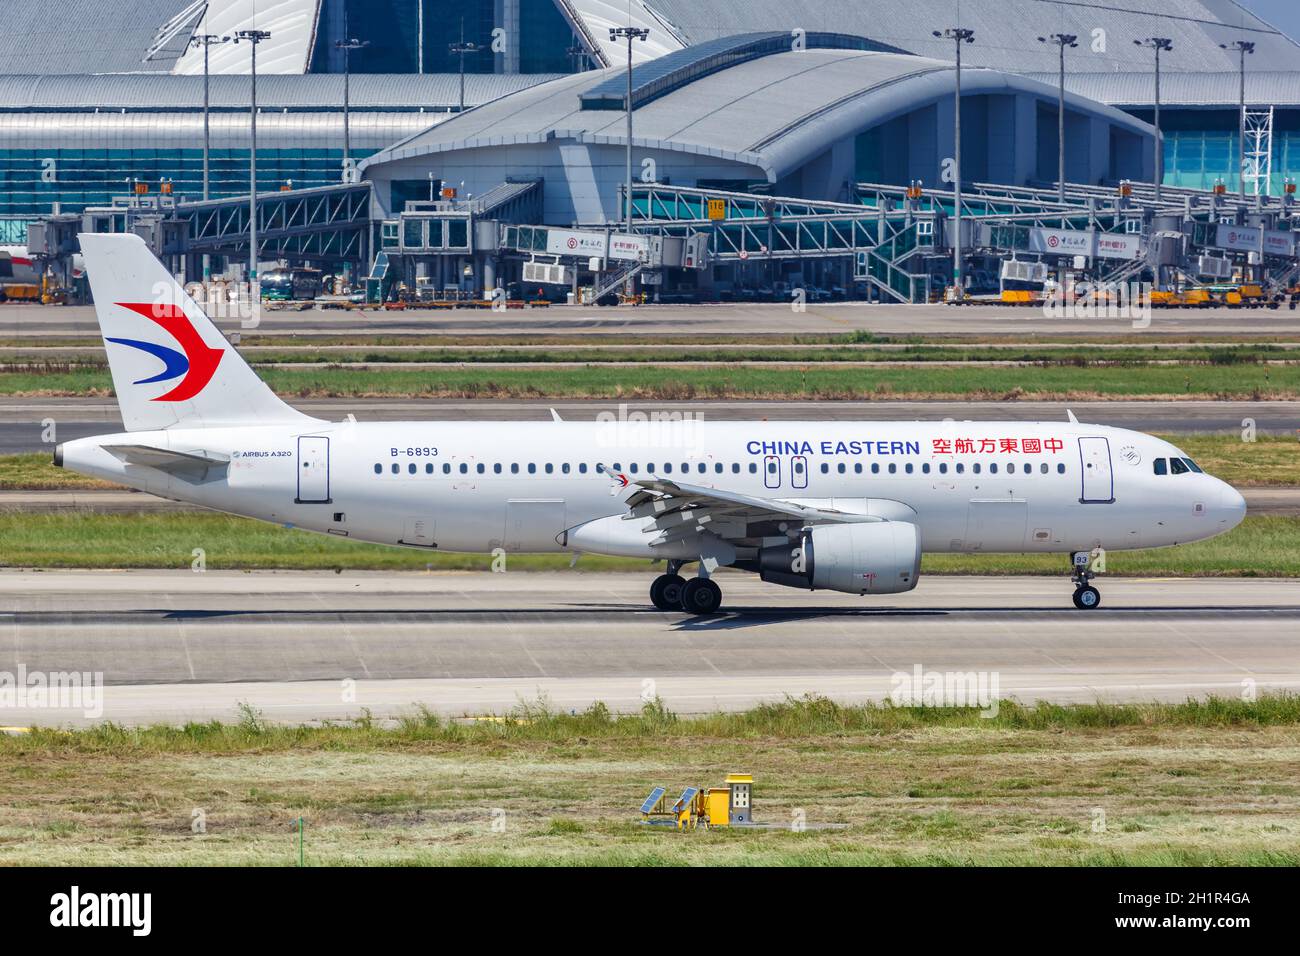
(1098, 480)
(313, 470)
(799, 472)
(772, 471)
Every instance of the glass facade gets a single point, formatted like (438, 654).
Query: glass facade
(392, 27)
(1201, 147)
(33, 180)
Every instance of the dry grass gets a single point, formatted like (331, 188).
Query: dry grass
(1189, 785)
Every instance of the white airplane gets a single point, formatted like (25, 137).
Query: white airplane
(844, 506)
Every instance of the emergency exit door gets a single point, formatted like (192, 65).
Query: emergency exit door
(1098, 479)
(313, 470)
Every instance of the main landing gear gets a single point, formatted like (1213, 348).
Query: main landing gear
(672, 592)
(1086, 597)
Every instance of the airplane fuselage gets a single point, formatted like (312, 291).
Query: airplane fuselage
(478, 487)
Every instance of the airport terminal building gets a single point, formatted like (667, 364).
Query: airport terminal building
(83, 113)
(511, 112)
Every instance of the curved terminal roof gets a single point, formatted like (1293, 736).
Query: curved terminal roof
(660, 77)
(775, 113)
(1006, 31)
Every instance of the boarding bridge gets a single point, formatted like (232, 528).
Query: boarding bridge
(450, 246)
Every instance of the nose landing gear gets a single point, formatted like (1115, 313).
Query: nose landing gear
(1086, 597)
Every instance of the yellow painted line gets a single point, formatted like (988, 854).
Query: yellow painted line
(15, 730)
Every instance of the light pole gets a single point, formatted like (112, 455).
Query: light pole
(958, 35)
(254, 37)
(347, 46)
(629, 33)
(1062, 40)
(419, 29)
(1242, 47)
(206, 40)
(460, 49)
(1159, 44)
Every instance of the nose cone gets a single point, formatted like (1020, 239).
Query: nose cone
(1232, 506)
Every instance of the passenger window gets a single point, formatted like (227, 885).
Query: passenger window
(582, 467)
(857, 468)
(550, 469)
(925, 468)
(943, 468)
(753, 468)
(798, 468)
(632, 468)
(496, 469)
(908, 468)
(428, 469)
(395, 469)
(735, 467)
(1161, 466)
(975, 467)
(464, 468)
(514, 468)
(565, 468)
(826, 469)
(1028, 469)
(410, 469)
(875, 467)
(993, 468)
(650, 468)
(446, 468)
(841, 468)
(1177, 467)
(600, 469)
(668, 468)
(771, 468)
(1193, 465)
(379, 469)
(960, 468)
(1042, 468)
(1060, 469)
(892, 468)
(717, 467)
(480, 468)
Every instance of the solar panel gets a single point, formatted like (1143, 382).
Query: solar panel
(685, 799)
(651, 801)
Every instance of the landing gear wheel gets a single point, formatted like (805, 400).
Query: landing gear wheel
(701, 596)
(666, 592)
(1087, 597)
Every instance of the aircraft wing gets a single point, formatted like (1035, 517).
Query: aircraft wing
(195, 467)
(680, 510)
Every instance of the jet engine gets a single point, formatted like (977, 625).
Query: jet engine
(878, 557)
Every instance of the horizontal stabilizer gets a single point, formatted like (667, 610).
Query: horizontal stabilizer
(194, 467)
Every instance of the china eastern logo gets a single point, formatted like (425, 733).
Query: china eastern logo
(194, 365)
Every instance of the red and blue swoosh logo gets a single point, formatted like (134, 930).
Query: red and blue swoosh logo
(194, 365)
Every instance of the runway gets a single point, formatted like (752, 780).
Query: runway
(23, 425)
(174, 646)
(48, 323)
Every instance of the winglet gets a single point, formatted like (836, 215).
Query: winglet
(555, 416)
(1073, 420)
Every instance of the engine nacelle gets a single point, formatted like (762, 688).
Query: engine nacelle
(879, 557)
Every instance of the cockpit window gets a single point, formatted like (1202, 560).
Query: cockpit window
(1161, 466)
(1193, 465)
(1176, 464)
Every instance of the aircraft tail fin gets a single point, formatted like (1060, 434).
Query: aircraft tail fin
(171, 365)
